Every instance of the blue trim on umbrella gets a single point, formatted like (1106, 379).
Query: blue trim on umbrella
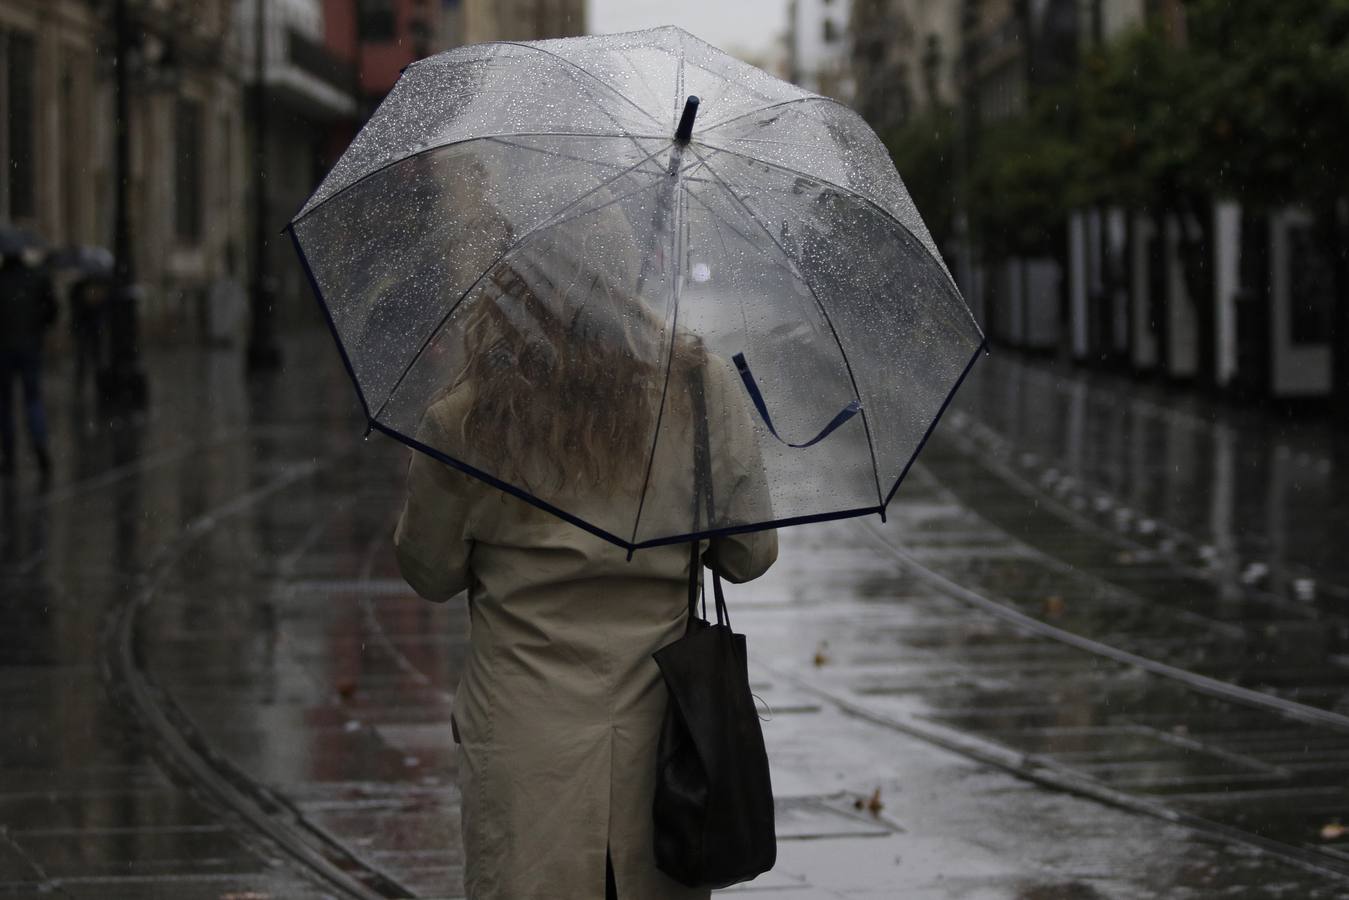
(328, 317)
(982, 349)
(499, 484)
(760, 526)
(629, 546)
(753, 388)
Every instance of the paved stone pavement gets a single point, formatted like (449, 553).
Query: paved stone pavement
(215, 685)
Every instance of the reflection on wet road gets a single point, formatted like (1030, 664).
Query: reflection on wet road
(214, 683)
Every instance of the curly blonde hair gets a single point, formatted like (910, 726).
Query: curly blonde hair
(556, 399)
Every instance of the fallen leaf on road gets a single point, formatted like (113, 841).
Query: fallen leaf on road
(821, 658)
(1333, 831)
(1054, 606)
(871, 804)
(345, 688)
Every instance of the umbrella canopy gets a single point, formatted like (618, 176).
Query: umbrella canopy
(520, 239)
(87, 259)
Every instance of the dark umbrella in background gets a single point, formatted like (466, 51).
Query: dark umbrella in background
(86, 259)
(93, 268)
(14, 241)
(766, 223)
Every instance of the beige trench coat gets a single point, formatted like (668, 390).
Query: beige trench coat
(560, 705)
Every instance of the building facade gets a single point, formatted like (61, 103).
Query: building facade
(1233, 299)
(476, 21)
(328, 65)
(904, 57)
(818, 48)
(226, 142)
(303, 101)
(186, 159)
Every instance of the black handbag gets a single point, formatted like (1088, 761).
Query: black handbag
(714, 800)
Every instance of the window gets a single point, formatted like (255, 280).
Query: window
(376, 20)
(830, 31)
(20, 176)
(187, 169)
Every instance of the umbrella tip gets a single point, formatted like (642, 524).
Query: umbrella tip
(685, 130)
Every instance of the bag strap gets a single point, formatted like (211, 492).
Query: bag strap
(723, 613)
(702, 497)
(695, 582)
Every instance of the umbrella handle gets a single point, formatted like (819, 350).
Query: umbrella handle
(752, 387)
(684, 133)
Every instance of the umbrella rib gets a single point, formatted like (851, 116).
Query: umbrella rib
(468, 140)
(679, 81)
(860, 198)
(591, 75)
(932, 426)
(824, 313)
(505, 141)
(552, 220)
(720, 221)
(763, 109)
(669, 367)
(655, 94)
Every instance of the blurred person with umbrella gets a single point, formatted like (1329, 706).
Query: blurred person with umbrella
(556, 274)
(27, 310)
(93, 268)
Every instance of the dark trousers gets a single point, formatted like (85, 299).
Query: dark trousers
(26, 367)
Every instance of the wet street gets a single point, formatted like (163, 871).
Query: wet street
(1100, 649)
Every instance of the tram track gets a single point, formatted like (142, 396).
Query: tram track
(263, 820)
(276, 820)
(187, 755)
(1041, 768)
(1038, 769)
(1180, 546)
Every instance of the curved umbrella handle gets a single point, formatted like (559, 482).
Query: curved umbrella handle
(753, 388)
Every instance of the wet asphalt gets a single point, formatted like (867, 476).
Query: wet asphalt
(1097, 650)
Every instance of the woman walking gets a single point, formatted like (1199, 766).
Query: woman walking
(560, 706)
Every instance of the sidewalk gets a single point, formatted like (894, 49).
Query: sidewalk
(281, 718)
(354, 689)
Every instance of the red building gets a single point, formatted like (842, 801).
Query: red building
(380, 37)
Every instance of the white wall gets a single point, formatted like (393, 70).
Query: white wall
(1226, 281)
(810, 50)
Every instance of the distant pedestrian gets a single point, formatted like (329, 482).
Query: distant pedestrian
(88, 300)
(27, 310)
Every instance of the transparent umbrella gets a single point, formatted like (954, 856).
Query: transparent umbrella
(564, 266)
